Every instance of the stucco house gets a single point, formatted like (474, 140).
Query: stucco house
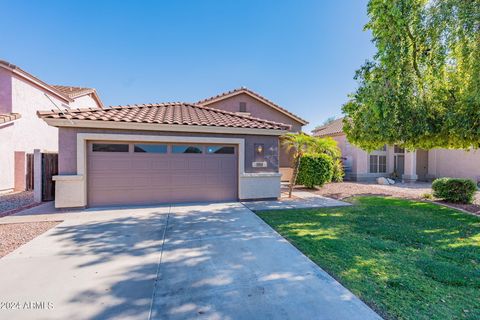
(171, 152)
(422, 165)
(21, 96)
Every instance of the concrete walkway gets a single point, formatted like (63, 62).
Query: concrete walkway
(300, 200)
(207, 261)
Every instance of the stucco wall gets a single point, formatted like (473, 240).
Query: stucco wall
(67, 157)
(454, 163)
(256, 109)
(86, 101)
(7, 157)
(5, 91)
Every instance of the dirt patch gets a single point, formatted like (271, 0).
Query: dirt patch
(13, 235)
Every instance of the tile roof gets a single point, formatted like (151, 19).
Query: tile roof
(176, 113)
(73, 92)
(333, 128)
(7, 117)
(255, 95)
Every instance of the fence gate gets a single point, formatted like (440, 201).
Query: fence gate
(29, 176)
(49, 169)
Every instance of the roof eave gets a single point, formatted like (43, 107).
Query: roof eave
(121, 125)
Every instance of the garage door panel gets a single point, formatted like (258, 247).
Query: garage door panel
(146, 178)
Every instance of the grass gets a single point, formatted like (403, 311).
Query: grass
(406, 259)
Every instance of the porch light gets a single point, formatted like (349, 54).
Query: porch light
(259, 148)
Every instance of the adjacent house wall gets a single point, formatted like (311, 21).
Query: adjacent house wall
(86, 101)
(454, 163)
(19, 95)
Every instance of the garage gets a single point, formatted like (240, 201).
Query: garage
(123, 173)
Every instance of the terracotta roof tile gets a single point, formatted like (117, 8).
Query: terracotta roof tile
(176, 113)
(333, 128)
(256, 95)
(73, 92)
(7, 117)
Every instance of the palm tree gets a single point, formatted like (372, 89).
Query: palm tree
(298, 143)
(325, 145)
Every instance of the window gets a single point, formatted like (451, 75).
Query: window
(109, 147)
(150, 148)
(221, 149)
(186, 149)
(243, 107)
(397, 149)
(378, 163)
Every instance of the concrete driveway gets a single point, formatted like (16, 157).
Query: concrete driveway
(209, 261)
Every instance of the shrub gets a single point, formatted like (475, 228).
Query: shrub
(427, 196)
(315, 170)
(454, 190)
(337, 175)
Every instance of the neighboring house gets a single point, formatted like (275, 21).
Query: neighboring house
(21, 96)
(423, 165)
(246, 102)
(160, 153)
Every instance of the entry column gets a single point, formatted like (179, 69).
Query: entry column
(410, 174)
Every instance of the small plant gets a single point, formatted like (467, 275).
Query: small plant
(338, 172)
(427, 196)
(315, 170)
(454, 190)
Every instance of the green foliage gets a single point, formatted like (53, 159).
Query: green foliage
(454, 190)
(422, 87)
(338, 173)
(406, 259)
(315, 170)
(325, 145)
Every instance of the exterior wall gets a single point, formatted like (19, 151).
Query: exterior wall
(454, 163)
(19, 95)
(260, 110)
(7, 157)
(67, 156)
(254, 183)
(5, 91)
(256, 109)
(86, 101)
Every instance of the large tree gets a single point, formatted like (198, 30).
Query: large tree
(422, 87)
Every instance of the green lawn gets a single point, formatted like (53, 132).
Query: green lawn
(406, 259)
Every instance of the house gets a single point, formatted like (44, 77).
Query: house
(170, 152)
(244, 101)
(422, 165)
(21, 96)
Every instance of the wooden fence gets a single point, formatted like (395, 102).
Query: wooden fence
(49, 169)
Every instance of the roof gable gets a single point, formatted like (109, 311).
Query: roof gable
(243, 90)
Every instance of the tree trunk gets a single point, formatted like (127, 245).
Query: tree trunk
(296, 165)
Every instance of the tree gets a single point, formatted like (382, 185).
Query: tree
(298, 143)
(422, 87)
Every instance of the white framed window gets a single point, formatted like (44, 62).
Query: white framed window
(378, 163)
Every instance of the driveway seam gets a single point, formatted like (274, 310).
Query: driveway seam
(158, 264)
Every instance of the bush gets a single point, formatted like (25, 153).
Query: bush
(454, 190)
(315, 170)
(337, 175)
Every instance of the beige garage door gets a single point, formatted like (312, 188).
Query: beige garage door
(148, 173)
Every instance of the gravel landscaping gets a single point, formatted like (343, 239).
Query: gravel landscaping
(13, 235)
(15, 200)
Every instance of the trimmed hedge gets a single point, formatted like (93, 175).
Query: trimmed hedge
(454, 190)
(315, 170)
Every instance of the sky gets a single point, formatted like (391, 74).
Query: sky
(300, 54)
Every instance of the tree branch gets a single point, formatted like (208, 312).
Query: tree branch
(414, 53)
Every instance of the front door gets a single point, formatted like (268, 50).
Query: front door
(399, 164)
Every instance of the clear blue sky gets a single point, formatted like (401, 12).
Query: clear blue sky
(300, 54)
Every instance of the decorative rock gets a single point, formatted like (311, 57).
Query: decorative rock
(385, 181)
